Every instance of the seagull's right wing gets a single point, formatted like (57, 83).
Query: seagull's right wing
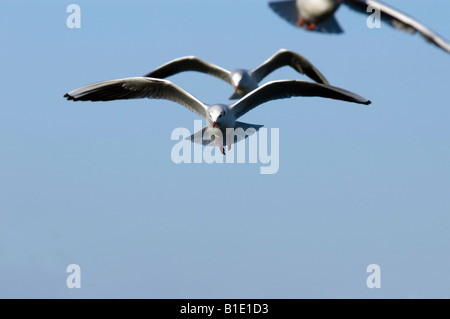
(189, 63)
(399, 20)
(137, 88)
(285, 57)
(288, 88)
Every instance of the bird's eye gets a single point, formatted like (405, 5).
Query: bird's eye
(220, 115)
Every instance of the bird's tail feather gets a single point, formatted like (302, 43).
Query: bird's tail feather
(207, 137)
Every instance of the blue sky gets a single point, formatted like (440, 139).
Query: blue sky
(93, 184)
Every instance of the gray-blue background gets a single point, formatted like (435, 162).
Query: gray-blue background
(94, 184)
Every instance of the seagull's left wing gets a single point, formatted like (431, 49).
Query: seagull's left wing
(288, 88)
(399, 20)
(190, 63)
(137, 88)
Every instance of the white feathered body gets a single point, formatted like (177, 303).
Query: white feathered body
(316, 10)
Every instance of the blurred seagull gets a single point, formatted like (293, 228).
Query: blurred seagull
(218, 117)
(318, 15)
(242, 80)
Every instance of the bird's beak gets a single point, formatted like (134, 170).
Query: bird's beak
(235, 88)
(214, 123)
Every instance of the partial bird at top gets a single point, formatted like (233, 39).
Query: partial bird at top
(318, 15)
(243, 81)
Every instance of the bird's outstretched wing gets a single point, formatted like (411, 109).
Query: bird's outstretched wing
(137, 88)
(190, 63)
(288, 88)
(288, 58)
(399, 20)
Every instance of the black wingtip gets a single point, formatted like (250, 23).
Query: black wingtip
(69, 97)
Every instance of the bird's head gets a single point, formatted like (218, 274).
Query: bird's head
(242, 82)
(217, 115)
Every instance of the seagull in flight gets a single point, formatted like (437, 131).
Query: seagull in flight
(318, 15)
(242, 80)
(219, 117)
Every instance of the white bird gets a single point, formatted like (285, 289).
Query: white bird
(242, 80)
(218, 117)
(318, 15)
